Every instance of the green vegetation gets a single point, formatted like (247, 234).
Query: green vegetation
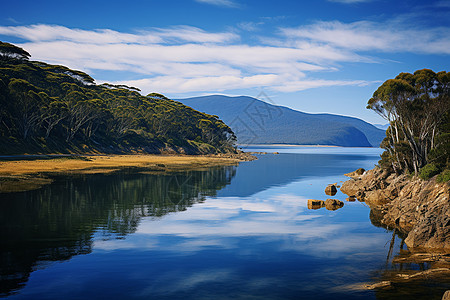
(49, 108)
(417, 108)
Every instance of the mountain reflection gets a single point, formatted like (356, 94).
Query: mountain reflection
(59, 220)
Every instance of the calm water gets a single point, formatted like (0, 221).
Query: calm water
(231, 232)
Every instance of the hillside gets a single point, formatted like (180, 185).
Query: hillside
(52, 109)
(258, 122)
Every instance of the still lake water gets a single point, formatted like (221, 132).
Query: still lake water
(240, 232)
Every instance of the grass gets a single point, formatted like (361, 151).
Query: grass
(21, 175)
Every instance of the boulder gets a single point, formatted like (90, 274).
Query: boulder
(446, 295)
(333, 204)
(315, 204)
(331, 190)
(351, 199)
(356, 174)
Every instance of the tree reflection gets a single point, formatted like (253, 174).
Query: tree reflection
(59, 220)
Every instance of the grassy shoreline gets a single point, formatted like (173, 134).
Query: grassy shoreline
(25, 175)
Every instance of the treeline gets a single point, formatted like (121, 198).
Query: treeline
(417, 108)
(50, 108)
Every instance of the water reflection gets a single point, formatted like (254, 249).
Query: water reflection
(242, 232)
(58, 221)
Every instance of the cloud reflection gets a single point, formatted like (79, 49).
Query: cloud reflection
(219, 221)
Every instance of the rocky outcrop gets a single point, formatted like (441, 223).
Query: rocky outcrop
(417, 208)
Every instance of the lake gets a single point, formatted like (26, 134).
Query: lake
(240, 232)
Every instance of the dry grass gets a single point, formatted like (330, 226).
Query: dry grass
(104, 164)
(23, 175)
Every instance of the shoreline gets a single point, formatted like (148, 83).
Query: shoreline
(418, 209)
(28, 174)
(291, 145)
(418, 212)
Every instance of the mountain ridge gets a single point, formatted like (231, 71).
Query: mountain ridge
(257, 121)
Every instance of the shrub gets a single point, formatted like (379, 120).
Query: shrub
(428, 171)
(444, 176)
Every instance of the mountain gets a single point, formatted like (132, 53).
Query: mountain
(48, 108)
(381, 126)
(258, 122)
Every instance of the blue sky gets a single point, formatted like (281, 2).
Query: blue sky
(313, 56)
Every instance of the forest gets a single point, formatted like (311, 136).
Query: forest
(48, 108)
(417, 108)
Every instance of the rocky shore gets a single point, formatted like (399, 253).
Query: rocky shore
(418, 209)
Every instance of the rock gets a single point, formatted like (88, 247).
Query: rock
(276, 153)
(418, 209)
(378, 285)
(315, 204)
(356, 174)
(351, 199)
(333, 204)
(331, 190)
(351, 187)
(446, 295)
(427, 273)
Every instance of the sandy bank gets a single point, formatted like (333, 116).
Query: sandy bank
(23, 175)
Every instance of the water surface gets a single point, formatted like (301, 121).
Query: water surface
(229, 232)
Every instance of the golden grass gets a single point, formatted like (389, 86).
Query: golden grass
(109, 163)
(25, 175)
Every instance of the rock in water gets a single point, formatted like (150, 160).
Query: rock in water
(333, 204)
(331, 190)
(315, 204)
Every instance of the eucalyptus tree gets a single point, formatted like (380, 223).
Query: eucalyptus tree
(415, 105)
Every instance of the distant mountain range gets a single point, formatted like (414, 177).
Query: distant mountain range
(258, 122)
(381, 126)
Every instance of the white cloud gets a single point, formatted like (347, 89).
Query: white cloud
(50, 33)
(185, 59)
(370, 36)
(224, 3)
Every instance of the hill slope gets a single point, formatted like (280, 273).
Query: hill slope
(52, 109)
(258, 122)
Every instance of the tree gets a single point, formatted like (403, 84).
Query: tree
(415, 106)
(26, 105)
(9, 51)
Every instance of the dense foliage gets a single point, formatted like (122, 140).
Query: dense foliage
(417, 108)
(51, 108)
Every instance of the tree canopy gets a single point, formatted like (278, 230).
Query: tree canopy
(50, 108)
(417, 108)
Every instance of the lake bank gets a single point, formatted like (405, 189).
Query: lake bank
(25, 174)
(418, 209)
